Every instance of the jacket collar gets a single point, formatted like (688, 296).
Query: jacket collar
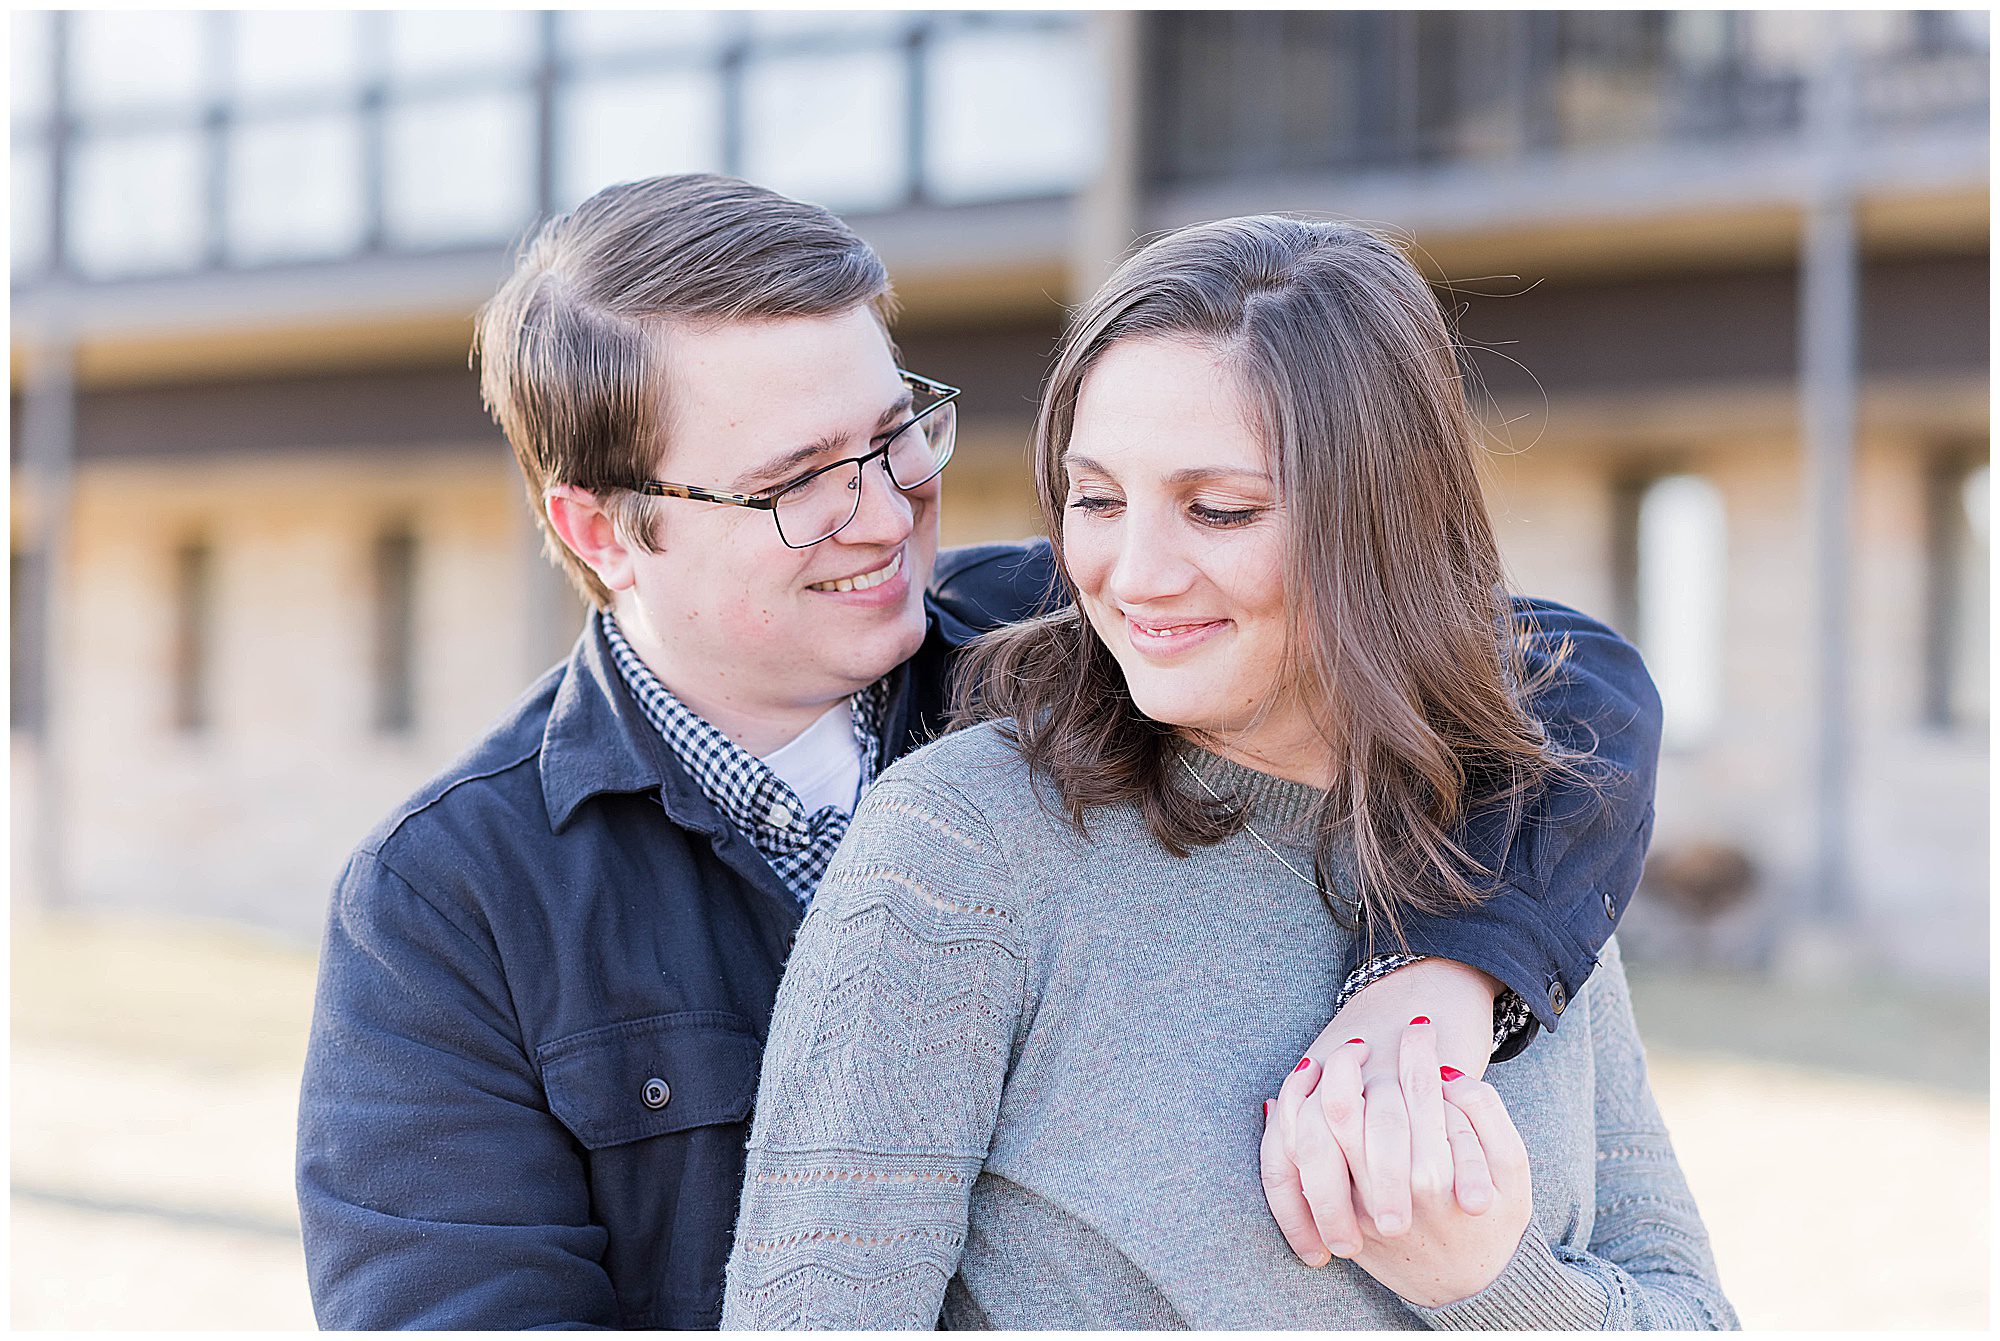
(947, 627)
(598, 741)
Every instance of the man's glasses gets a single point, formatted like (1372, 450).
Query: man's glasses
(817, 505)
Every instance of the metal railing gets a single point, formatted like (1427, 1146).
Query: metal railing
(1244, 93)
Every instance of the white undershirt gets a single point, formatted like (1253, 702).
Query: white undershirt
(823, 762)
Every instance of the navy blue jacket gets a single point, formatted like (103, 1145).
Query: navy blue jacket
(547, 977)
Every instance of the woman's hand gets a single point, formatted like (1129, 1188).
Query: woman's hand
(1458, 1126)
(1314, 1188)
(1447, 1254)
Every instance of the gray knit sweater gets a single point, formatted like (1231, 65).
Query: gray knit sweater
(1015, 1079)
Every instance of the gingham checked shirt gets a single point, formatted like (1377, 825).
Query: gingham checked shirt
(757, 802)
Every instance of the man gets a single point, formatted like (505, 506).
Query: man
(548, 973)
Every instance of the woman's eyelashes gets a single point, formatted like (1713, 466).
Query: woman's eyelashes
(1207, 514)
(1223, 518)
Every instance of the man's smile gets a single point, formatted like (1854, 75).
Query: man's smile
(863, 581)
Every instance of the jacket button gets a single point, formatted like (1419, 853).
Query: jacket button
(1611, 907)
(1558, 997)
(656, 1092)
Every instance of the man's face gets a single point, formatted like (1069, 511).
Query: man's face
(730, 617)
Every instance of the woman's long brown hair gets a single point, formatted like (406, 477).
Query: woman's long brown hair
(1400, 625)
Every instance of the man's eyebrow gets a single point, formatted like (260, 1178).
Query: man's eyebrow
(781, 468)
(1185, 475)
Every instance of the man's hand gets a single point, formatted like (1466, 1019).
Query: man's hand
(1358, 1157)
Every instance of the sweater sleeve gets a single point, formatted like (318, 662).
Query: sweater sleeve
(881, 1082)
(1648, 1266)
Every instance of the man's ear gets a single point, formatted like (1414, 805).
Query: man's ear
(580, 522)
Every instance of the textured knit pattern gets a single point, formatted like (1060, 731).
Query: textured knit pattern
(1014, 1079)
(739, 784)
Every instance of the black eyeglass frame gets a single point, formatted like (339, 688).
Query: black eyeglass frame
(768, 501)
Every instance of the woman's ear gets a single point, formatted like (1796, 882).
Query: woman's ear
(581, 523)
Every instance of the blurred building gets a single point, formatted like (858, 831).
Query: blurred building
(1723, 280)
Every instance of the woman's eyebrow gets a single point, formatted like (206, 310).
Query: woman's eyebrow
(1185, 475)
(1201, 474)
(782, 467)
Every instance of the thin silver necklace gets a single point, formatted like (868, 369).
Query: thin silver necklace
(1315, 885)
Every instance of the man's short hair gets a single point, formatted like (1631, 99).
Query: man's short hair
(570, 350)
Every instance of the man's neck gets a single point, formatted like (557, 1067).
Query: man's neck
(757, 725)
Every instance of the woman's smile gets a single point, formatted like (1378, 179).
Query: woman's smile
(1162, 637)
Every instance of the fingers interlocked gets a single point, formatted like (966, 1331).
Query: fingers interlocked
(1284, 1182)
(1430, 1173)
(1364, 1146)
(1329, 1140)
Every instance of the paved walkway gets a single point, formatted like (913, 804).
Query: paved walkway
(155, 1072)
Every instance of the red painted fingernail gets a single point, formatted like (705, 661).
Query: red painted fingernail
(1421, 1019)
(1267, 1109)
(1355, 1040)
(1450, 1072)
(1302, 1064)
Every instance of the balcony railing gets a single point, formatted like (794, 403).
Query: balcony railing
(1244, 93)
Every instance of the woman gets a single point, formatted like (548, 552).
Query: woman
(1286, 669)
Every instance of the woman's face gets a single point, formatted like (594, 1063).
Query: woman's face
(1173, 534)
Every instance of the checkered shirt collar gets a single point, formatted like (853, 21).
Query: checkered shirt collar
(739, 784)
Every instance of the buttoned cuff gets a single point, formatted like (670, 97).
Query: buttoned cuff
(1534, 1292)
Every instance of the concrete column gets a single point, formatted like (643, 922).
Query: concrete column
(546, 188)
(1829, 302)
(48, 453)
(1108, 209)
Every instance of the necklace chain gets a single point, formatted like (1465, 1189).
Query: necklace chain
(1196, 775)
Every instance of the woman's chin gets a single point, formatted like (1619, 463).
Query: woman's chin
(1189, 719)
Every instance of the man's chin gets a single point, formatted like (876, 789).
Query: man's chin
(886, 648)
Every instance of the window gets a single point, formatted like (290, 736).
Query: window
(30, 64)
(286, 54)
(28, 226)
(617, 128)
(194, 633)
(824, 23)
(1037, 84)
(109, 232)
(395, 629)
(831, 129)
(136, 60)
(460, 169)
(620, 33)
(213, 138)
(1956, 641)
(294, 188)
(1677, 571)
(430, 45)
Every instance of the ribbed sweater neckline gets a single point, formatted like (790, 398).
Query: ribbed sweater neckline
(1277, 806)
